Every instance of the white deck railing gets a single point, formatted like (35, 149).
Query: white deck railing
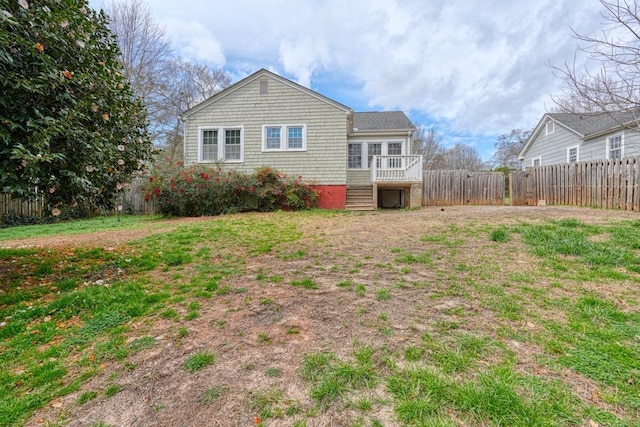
(396, 168)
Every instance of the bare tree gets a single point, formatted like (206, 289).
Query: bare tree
(615, 85)
(145, 53)
(460, 156)
(190, 85)
(427, 141)
(167, 85)
(508, 147)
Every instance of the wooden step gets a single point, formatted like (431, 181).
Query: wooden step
(360, 198)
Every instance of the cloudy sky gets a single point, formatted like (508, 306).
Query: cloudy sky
(474, 69)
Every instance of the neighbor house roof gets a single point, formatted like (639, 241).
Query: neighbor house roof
(589, 125)
(257, 75)
(584, 125)
(382, 121)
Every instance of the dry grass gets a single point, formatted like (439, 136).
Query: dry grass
(458, 283)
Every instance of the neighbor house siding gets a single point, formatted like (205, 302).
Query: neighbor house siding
(552, 148)
(323, 162)
(596, 148)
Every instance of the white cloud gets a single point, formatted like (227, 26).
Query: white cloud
(194, 40)
(481, 67)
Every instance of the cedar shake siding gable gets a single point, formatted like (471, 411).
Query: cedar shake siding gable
(266, 100)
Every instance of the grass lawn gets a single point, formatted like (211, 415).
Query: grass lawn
(472, 316)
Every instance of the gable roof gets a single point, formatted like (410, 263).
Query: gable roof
(382, 121)
(589, 125)
(255, 76)
(585, 125)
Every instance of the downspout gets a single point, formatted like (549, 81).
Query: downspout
(184, 138)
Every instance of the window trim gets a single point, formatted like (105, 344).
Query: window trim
(221, 157)
(608, 148)
(533, 161)
(284, 137)
(577, 147)
(546, 127)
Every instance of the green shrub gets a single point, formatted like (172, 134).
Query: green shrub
(201, 190)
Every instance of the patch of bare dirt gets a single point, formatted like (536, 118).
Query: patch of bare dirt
(268, 327)
(109, 238)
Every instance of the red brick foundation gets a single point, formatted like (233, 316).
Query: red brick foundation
(331, 196)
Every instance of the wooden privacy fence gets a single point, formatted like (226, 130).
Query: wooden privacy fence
(131, 200)
(9, 205)
(461, 187)
(605, 184)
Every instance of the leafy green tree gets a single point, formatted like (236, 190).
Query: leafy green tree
(70, 126)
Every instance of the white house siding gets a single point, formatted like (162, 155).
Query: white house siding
(358, 177)
(552, 148)
(323, 162)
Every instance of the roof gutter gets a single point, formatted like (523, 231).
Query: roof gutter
(376, 132)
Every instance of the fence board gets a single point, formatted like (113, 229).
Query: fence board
(132, 201)
(606, 184)
(461, 187)
(9, 205)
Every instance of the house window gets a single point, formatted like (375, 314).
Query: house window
(536, 161)
(374, 150)
(551, 126)
(395, 149)
(283, 138)
(273, 138)
(614, 147)
(232, 144)
(220, 143)
(209, 145)
(295, 140)
(572, 154)
(355, 156)
(360, 155)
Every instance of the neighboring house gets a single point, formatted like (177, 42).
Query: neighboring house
(569, 137)
(267, 120)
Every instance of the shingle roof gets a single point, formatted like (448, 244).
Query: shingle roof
(587, 124)
(382, 120)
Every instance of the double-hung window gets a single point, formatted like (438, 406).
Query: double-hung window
(209, 145)
(395, 149)
(536, 161)
(573, 154)
(374, 149)
(284, 138)
(354, 155)
(220, 143)
(295, 139)
(614, 147)
(272, 138)
(233, 144)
